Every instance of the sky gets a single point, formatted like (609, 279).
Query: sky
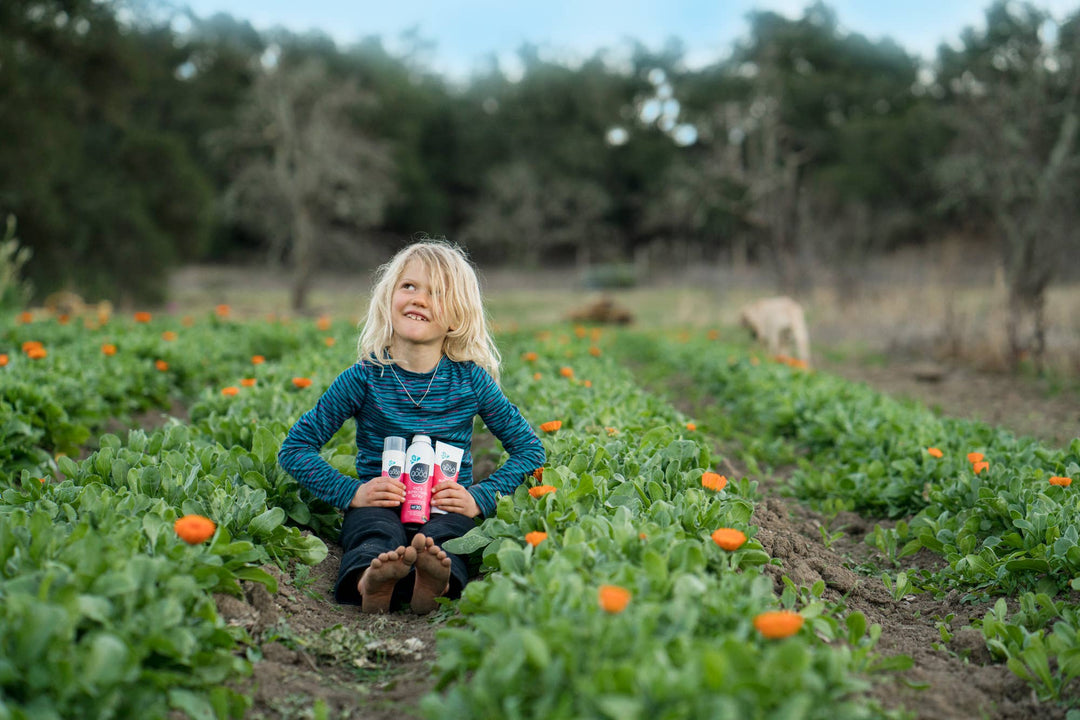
(468, 32)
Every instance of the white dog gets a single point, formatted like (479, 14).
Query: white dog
(778, 321)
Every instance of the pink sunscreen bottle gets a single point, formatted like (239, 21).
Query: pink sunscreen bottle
(393, 457)
(447, 464)
(419, 467)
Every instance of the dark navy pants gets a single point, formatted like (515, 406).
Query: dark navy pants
(369, 531)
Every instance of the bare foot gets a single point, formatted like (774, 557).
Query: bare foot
(376, 583)
(432, 574)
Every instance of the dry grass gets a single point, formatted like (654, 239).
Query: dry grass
(949, 306)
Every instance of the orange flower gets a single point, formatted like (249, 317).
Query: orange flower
(31, 345)
(222, 310)
(161, 365)
(566, 372)
(323, 323)
(691, 426)
(26, 318)
(974, 457)
(579, 331)
(613, 599)
(538, 473)
(934, 452)
(187, 321)
(63, 318)
(36, 353)
(257, 359)
(642, 536)
(594, 351)
(530, 357)
(535, 538)
(301, 382)
(540, 490)
(612, 432)
(713, 335)
(3, 359)
(551, 426)
(168, 336)
(980, 466)
(108, 349)
(713, 481)
(729, 538)
(329, 341)
(142, 317)
(194, 529)
(777, 624)
(229, 391)
(587, 383)
(1061, 481)
(536, 376)
(247, 382)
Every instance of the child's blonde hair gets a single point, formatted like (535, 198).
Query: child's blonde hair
(456, 301)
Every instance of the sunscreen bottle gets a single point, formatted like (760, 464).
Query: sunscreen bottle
(419, 466)
(393, 457)
(447, 464)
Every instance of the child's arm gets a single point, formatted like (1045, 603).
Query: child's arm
(299, 454)
(518, 439)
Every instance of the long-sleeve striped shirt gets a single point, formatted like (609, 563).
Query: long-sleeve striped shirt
(371, 395)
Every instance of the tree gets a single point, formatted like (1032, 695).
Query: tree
(1014, 95)
(307, 177)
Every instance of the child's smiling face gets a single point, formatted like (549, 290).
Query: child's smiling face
(414, 307)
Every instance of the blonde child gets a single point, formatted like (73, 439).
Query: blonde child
(426, 365)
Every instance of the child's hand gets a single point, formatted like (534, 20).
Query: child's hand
(379, 492)
(452, 497)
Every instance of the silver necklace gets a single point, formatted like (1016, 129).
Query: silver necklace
(417, 403)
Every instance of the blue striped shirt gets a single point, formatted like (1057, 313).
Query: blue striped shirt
(371, 395)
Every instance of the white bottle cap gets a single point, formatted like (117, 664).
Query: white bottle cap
(421, 439)
(393, 443)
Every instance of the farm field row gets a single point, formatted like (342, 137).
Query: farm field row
(625, 580)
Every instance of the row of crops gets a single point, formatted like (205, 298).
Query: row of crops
(624, 581)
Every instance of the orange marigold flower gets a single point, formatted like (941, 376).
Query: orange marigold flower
(247, 382)
(691, 426)
(31, 345)
(587, 383)
(143, 317)
(777, 624)
(536, 376)
(194, 529)
(26, 318)
(540, 490)
(579, 331)
(535, 538)
(1061, 481)
(729, 538)
(613, 599)
(974, 457)
(538, 473)
(168, 336)
(594, 351)
(161, 365)
(530, 357)
(323, 323)
(222, 310)
(611, 431)
(935, 452)
(329, 341)
(713, 335)
(63, 318)
(566, 372)
(257, 359)
(980, 466)
(713, 481)
(551, 426)
(643, 536)
(37, 353)
(108, 349)
(230, 391)
(301, 382)
(3, 359)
